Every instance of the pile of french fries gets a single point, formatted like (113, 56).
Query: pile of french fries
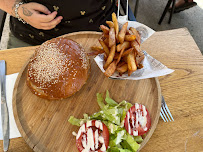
(121, 49)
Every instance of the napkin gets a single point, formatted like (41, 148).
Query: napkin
(10, 82)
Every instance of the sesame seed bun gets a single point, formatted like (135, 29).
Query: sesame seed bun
(58, 69)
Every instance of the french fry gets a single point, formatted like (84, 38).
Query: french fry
(121, 34)
(115, 21)
(129, 32)
(106, 36)
(122, 69)
(106, 41)
(96, 50)
(116, 56)
(106, 49)
(112, 37)
(130, 37)
(122, 51)
(105, 29)
(140, 66)
(120, 55)
(125, 45)
(95, 53)
(105, 57)
(111, 69)
(131, 63)
(139, 58)
(135, 32)
(136, 46)
(127, 52)
(120, 64)
(110, 57)
(138, 52)
(110, 24)
(125, 59)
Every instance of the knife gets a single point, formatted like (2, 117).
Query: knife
(4, 108)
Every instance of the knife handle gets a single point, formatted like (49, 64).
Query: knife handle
(5, 125)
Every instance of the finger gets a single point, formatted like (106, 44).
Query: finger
(56, 21)
(40, 8)
(52, 24)
(47, 28)
(46, 18)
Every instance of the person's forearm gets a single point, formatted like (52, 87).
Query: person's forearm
(32, 13)
(9, 6)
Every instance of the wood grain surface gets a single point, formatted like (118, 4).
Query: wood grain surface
(44, 124)
(183, 91)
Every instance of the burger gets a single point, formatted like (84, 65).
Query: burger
(58, 69)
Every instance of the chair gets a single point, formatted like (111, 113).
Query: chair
(2, 22)
(166, 10)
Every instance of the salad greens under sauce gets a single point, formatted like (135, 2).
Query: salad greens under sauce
(112, 114)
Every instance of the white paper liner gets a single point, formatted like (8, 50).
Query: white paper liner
(151, 67)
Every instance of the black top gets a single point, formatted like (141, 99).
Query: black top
(78, 15)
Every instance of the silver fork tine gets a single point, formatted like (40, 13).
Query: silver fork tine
(162, 117)
(169, 111)
(164, 114)
(165, 111)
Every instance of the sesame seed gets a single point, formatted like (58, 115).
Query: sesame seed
(51, 65)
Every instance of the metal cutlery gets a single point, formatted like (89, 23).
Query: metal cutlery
(165, 112)
(4, 108)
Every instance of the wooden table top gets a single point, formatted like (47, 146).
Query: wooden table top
(183, 91)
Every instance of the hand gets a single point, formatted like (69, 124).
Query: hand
(30, 12)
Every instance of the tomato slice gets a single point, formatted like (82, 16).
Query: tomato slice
(93, 136)
(137, 120)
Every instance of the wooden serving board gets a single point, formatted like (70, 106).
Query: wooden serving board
(44, 124)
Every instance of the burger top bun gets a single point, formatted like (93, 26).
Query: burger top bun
(58, 69)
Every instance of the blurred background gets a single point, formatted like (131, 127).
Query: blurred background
(150, 11)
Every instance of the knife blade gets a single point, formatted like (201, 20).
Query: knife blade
(4, 108)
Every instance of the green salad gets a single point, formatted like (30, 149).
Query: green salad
(112, 114)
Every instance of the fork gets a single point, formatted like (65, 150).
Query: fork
(165, 112)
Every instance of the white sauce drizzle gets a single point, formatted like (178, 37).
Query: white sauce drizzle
(128, 118)
(141, 119)
(135, 133)
(89, 123)
(96, 139)
(111, 128)
(91, 140)
(119, 137)
(74, 133)
(133, 122)
(103, 148)
(115, 114)
(84, 141)
(81, 130)
(99, 125)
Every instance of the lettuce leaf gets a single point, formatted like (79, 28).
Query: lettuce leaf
(74, 121)
(110, 101)
(130, 142)
(117, 149)
(100, 100)
(78, 122)
(112, 115)
(138, 139)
